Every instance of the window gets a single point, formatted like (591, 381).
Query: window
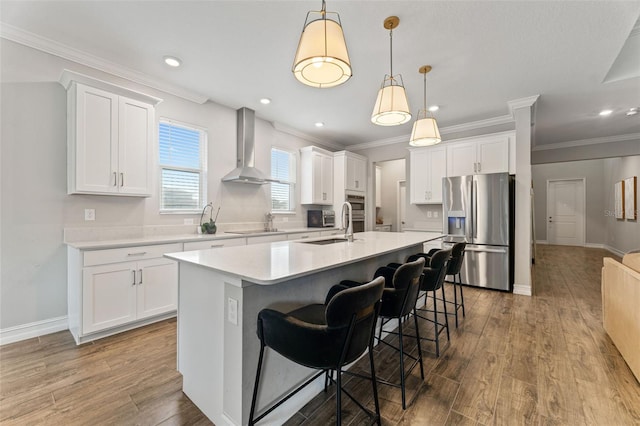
(283, 168)
(182, 161)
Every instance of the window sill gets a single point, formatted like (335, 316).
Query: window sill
(290, 213)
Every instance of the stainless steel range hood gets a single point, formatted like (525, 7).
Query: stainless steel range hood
(245, 172)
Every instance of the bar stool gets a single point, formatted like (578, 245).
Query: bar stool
(433, 279)
(402, 285)
(325, 337)
(453, 269)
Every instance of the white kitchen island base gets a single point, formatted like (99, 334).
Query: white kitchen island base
(220, 294)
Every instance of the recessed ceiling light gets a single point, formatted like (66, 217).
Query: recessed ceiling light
(434, 108)
(319, 124)
(265, 101)
(172, 61)
(606, 112)
(632, 111)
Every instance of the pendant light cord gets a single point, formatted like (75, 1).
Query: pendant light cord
(425, 92)
(391, 52)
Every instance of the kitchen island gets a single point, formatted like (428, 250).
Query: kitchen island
(221, 292)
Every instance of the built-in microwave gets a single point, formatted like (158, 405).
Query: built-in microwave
(321, 218)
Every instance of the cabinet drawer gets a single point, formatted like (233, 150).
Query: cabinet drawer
(303, 235)
(101, 257)
(204, 245)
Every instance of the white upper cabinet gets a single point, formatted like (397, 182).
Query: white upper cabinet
(316, 176)
(427, 167)
(110, 138)
(355, 169)
(482, 155)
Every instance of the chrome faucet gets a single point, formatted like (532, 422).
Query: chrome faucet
(348, 231)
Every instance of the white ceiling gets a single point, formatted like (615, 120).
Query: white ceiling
(484, 54)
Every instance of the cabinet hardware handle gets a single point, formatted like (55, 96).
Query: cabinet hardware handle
(140, 253)
(140, 276)
(304, 236)
(115, 179)
(121, 179)
(479, 167)
(134, 277)
(217, 245)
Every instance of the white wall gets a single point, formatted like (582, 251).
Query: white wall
(35, 208)
(593, 173)
(621, 235)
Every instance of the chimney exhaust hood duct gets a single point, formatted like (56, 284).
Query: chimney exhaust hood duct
(245, 172)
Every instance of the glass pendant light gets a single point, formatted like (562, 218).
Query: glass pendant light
(322, 59)
(425, 129)
(392, 106)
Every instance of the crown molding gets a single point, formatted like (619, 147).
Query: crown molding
(584, 142)
(293, 132)
(522, 103)
(55, 48)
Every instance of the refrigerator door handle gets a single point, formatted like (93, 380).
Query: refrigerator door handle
(486, 250)
(474, 218)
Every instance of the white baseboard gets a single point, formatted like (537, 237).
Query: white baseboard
(523, 290)
(541, 242)
(595, 245)
(613, 250)
(34, 329)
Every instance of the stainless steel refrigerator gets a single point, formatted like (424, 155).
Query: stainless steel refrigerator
(479, 209)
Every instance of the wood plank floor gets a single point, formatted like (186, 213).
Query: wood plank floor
(514, 360)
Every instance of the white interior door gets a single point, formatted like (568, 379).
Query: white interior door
(402, 205)
(566, 212)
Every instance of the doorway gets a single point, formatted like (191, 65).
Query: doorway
(566, 212)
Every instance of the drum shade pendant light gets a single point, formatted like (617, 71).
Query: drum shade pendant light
(392, 107)
(425, 129)
(322, 59)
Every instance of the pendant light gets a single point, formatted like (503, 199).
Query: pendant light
(322, 59)
(392, 107)
(425, 129)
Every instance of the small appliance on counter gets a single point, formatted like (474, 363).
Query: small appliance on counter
(321, 218)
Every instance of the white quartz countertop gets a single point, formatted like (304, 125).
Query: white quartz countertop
(271, 263)
(178, 238)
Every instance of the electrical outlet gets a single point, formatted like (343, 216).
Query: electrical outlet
(89, 214)
(232, 311)
(435, 214)
(429, 214)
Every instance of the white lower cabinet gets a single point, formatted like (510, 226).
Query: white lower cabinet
(108, 295)
(303, 235)
(204, 245)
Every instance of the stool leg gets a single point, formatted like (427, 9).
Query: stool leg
(339, 396)
(435, 324)
(446, 316)
(461, 295)
(415, 319)
(255, 386)
(373, 382)
(400, 336)
(455, 299)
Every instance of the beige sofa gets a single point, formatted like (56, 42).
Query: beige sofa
(621, 307)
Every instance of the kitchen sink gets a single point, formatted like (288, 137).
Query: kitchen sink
(325, 242)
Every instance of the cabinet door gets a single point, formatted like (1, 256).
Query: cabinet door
(156, 287)
(326, 178)
(437, 170)
(211, 244)
(419, 176)
(136, 121)
(108, 296)
(461, 159)
(493, 156)
(356, 174)
(96, 142)
(267, 238)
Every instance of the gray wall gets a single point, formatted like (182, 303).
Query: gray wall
(621, 235)
(586, 152)
(593, 173)
(35, 208)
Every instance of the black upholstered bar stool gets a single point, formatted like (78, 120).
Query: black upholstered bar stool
(402, 285)
(453, 270)
(434, 274)
(325, 337)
